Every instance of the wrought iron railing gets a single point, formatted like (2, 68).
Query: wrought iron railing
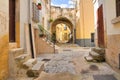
(44, 33)
(51, 38)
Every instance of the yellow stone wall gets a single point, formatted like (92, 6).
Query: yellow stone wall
(85, 25)
(4, 39)
(4, 57)
(60, 33)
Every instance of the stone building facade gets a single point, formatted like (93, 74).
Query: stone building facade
(4, 39)
(84, 22)
(110, 22)
(63, 15)
(15, 20)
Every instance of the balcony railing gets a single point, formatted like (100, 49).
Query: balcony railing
(48, 36)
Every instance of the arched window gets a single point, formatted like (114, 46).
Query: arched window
(117, 8)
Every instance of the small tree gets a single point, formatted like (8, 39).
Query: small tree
(53, 38)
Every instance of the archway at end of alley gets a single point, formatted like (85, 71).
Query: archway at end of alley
(63, 28)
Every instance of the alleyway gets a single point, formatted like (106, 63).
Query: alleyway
(70, 64)
(60, 40)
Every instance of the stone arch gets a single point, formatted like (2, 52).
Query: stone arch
(65, 21)
(61, 20)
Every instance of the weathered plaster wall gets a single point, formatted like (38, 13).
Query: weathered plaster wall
(42, 47)
(85, 24)
(112, 31)
(110, 13)
(57, 12)
(113, 50)
(86, 20)
(24, 18)
(113, 34)
(4, 39)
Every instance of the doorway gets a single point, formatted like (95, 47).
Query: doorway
(11, 20)
(100, 27)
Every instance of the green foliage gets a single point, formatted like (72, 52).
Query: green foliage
(50, 20)
(41, 34)
(53, 38)
(41, 28)
(39, 4)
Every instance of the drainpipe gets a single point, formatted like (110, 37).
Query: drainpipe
(30, 29)
(119, 60)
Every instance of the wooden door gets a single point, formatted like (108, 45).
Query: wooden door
(11, 20)
(100, 27)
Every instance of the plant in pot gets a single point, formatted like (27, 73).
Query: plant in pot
(39, 6)
(50, 20)
(41, 34)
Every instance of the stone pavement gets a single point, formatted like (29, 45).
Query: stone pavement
(70, 64)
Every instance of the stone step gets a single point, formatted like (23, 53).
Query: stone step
(36, 69)
(29, 63)
(12, 45)
(89, 58)
(48, 42)
(98, 50)
(22, 58)
(94, 54)
(44, 39)
(38, 66)
(52, 45)
(17, 51)
(97, 56)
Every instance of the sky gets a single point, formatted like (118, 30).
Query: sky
(62, 3)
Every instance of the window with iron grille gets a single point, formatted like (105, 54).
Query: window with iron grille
(118, 7)
(35, 15)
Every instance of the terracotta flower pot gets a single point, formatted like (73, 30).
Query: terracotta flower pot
(39, 7)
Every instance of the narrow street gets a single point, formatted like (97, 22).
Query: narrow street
(70, 64)
(59, 39)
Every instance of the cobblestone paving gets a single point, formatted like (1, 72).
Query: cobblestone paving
(71, 60)
(70, 64)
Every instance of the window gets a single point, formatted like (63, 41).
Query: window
(118, 7)
(65, 27)
(35, 15)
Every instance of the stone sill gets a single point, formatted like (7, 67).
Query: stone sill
(115, 20)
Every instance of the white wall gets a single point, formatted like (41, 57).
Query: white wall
(24, 7)
(4, 14)
(110, 13)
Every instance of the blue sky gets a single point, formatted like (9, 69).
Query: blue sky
(62, 3)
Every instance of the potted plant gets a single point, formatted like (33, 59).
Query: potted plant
(41, 34)
(39, 6)
(50, 20)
